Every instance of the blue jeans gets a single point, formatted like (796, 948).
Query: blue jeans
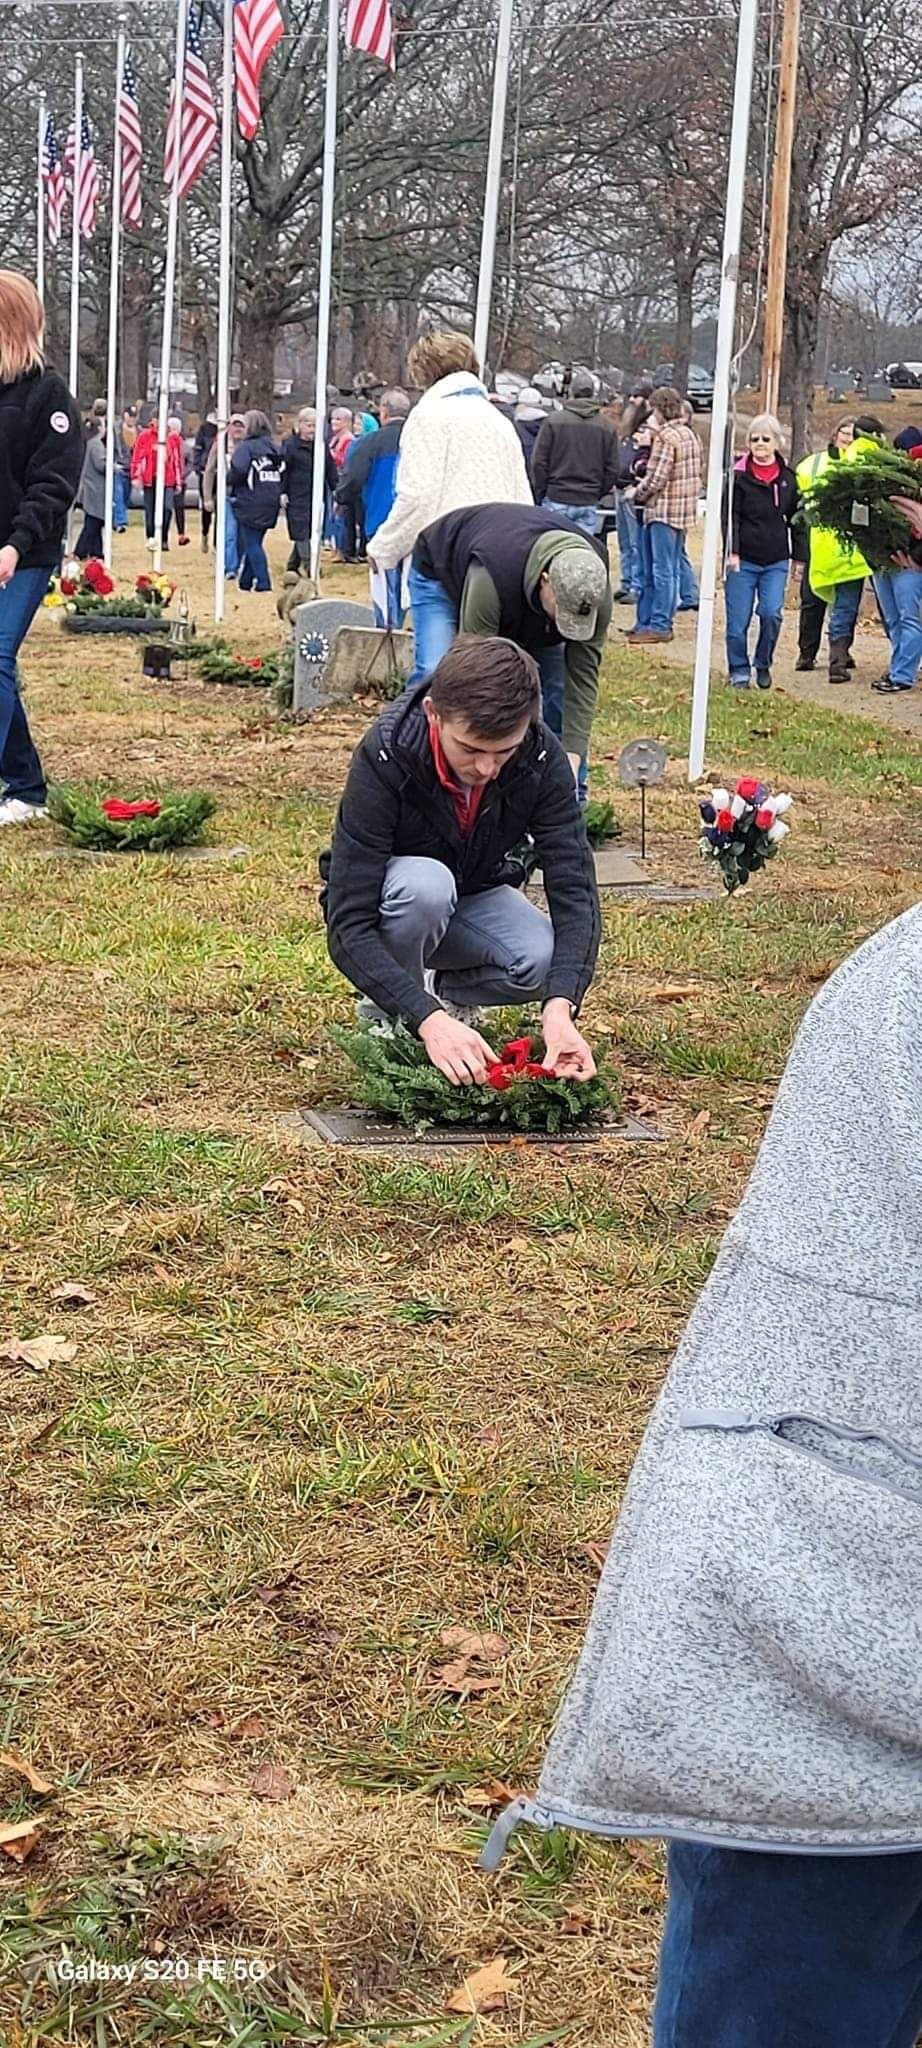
(435, 624)
(552, 663)
(899, 594)
(254, 568)
(660, 548)
(686, 583)
(586, 517)
(778, 1951)
(231, 541)
(120, 490)
(743, 586)
(628, 544)
(846, 605)
(394, 581)
(20, 768)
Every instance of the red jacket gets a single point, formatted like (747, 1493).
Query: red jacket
(144, 459)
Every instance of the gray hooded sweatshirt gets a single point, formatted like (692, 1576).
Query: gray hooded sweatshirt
(752, 1672)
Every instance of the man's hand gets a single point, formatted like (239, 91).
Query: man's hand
(911, 509)
(458, 1052)
(9, 563)
(797, 571)
(733, 562)
(565, 1049)
(574, 764)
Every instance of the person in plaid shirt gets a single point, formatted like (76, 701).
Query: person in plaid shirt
(667, 498)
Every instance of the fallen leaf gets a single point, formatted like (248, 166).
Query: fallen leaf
(33, 1444)
(38, 1352)
(19, 1841)
(491, 1649)
(493, 1792)
(281, 1190)
(675, 992)
(596, 1553)
(250, 1729)
(272, 1781)
(210, 1788)
(519, 1245)
(13, 1761)
(74, 1295)
(490, 1435)
(484, 1990)
(576, 1923)
(458, 1678)
(700, 1123)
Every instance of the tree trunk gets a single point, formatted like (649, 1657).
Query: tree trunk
(684, 316)
(256, 349)
(201, 359)
(802, 323)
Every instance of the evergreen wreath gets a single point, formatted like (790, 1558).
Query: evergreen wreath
(398, 1080)
(219, 665)
(109, 825)
(600, 821)
(865, 487)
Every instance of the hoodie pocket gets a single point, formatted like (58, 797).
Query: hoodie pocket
(863, 1454)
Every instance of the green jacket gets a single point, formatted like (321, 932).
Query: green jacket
(480, 613)
(830, 562)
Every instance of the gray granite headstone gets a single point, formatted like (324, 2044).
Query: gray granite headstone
(315, 628)
(879, 392)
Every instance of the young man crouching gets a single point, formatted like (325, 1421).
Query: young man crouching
(421, 917)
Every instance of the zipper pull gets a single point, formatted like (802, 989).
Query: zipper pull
(502, 1831)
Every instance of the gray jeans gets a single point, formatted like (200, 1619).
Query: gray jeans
(494, 947)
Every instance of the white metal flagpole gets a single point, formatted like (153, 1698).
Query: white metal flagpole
(726, 318)
(74, 363)
(40, 201)
(114, 294)
(494, 175)
(325, 286)
(169, 283)
(224, 307)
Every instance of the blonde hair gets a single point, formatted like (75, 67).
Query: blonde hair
(766, 423)
(437, 355)
(22, 326)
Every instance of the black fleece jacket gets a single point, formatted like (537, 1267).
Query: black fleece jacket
(41, 457)
(393, 803)
(762, 528)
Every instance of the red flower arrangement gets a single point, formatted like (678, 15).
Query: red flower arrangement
(93, 580)
(120, 812)
(515, 1061)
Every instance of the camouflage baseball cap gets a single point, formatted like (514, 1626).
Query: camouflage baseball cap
(579, 580)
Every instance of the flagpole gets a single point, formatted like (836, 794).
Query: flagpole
(169, 285)
(40, 201)
(74, 364)
(114, 291)
(325, 287)
(491, 193)
(224, 307)
(723, 364)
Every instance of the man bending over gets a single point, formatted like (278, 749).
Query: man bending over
(421, 914)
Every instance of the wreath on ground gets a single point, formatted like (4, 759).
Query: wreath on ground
(600, 821)
(398, 1081)
(221, 665)
(110, 825)
(744, 831)
(853, 501)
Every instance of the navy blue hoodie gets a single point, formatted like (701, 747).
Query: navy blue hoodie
(255, 480)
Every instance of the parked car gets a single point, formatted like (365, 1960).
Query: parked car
(904, 376)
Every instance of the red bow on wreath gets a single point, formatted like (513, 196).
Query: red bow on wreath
(515, 1063)
(121, 814)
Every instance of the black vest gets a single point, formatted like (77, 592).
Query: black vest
(498, 538)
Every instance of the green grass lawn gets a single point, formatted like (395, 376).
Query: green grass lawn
(323, 1407)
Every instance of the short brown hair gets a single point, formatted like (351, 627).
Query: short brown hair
(437, 355)
(22, 326)
(667, 401)
(491, 683)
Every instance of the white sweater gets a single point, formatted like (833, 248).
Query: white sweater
(456, 449)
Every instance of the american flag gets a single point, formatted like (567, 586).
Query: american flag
(53, 176)
(87, 199)
(370, 26)
(198, 126)
(129, 129)
(258, 26)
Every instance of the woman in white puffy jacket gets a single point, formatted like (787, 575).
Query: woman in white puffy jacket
(456, 449)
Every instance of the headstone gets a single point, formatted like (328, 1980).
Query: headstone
(879, 392)
(315, 628)
(364, 658)
(333, 1125)
(839, 389)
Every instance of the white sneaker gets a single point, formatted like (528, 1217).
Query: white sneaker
(14, 812)
(152, 545)
(463, 1013)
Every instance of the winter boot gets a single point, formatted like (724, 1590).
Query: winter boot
(838, 661)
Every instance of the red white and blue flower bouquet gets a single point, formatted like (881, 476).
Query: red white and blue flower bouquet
(743, 831)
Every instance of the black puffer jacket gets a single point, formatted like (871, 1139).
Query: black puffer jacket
(393, 803)
(576, 459)
(41, 457)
